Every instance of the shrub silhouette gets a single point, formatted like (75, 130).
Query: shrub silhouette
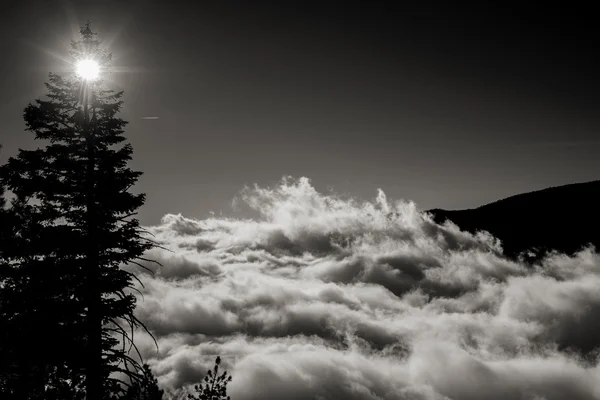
(146, 389)
(214, 386)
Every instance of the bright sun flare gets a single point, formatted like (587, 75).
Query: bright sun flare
(88, 69)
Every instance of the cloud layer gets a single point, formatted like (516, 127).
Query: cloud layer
(324, 297)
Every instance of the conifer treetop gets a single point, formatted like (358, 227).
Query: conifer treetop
(88, 47)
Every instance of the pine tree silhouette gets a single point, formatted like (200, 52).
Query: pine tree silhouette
(65, 301)
(214, 386)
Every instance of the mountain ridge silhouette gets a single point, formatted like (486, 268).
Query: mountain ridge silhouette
(562, 218)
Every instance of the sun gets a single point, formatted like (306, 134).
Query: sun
(88, 69)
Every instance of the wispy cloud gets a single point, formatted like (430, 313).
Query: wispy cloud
(563, 143)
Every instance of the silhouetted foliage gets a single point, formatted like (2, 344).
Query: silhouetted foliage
(214, 386)
(66, 305)
(146, 389)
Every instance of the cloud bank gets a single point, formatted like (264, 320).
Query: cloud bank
(325, 297)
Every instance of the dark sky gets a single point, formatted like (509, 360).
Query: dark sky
(449, 107)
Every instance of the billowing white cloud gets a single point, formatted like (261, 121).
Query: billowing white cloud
(324, 297)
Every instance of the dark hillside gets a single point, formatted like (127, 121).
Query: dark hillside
(563, 218)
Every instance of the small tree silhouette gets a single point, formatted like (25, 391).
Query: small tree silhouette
(144, 390)
(214, 386)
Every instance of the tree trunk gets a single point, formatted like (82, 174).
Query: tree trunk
(94, 384)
